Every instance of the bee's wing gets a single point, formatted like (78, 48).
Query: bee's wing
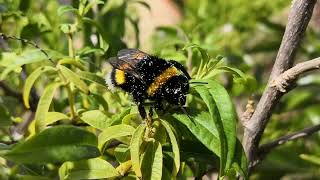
(127, 60)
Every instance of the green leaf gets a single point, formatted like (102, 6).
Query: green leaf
(143, 3)
(135, 143)
(215, 119)
(65, 9)
(151, 165)
(52, 117)
(112, 4)
(203, 132)
(13, 61)
(30, 81)
(92, 77)
(311, 158)
(122, 153)
(5, 119)
(227, 115)
(114, 132)
(29, 177)
(87, 169)
(203, 52)
(175, 147)
(56, 144)
(43, 106)
(96, 119)
(240, 162)
(72, 61)
(75, 79)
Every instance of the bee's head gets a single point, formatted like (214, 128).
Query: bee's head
(177, 89)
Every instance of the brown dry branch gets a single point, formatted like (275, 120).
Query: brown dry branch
(266, 148)
(299, 17)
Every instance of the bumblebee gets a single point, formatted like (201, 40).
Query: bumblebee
(148, 77)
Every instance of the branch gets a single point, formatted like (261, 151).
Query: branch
(266, 148)
(299, 17)
(286, 79)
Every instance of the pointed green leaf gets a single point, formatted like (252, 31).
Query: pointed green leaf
(75, 79)
(72, 61)
(65, 9)
(228, 117)
(240, 163)
(96, 119)
(151, 165)
(43, 106)
(122, 153)
(215, 119)
(52, 117)
(135, 143)
(87, 169)
(30, 81)
(114, 132)
(202, 131)
(92, 77)
(175, 147)
(56, 144)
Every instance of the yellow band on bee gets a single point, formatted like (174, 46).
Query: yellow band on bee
(120, 77)
(162, 79)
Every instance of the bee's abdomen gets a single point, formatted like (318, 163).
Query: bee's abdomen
(161, 79)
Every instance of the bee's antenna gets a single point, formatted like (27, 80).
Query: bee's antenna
(198, 83)
(3, 36)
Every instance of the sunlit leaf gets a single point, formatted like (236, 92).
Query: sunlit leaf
(72, 61)
(175, 147)
(87, 169)
(75, 79)
(135, 143)
(65, 9)
(52, 117)
(114, 132)
(43, 106)
(96, 119)
(30, 82)
(151, 164)
(93, 78)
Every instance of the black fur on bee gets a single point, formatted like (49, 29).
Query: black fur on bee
(149, 77)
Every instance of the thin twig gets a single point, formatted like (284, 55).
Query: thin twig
(299, 17)
(266, 148)
(3, 36)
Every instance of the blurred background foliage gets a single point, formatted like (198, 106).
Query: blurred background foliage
(247, 34)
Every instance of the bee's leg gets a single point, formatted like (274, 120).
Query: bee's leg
(150, 112)
(141, 110)
(180, 67)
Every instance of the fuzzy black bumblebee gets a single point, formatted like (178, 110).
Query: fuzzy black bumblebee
(149, 77)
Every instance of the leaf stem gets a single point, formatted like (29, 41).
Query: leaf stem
(70, 96)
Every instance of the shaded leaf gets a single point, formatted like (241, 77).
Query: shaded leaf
(56, 144)
(227, 115)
